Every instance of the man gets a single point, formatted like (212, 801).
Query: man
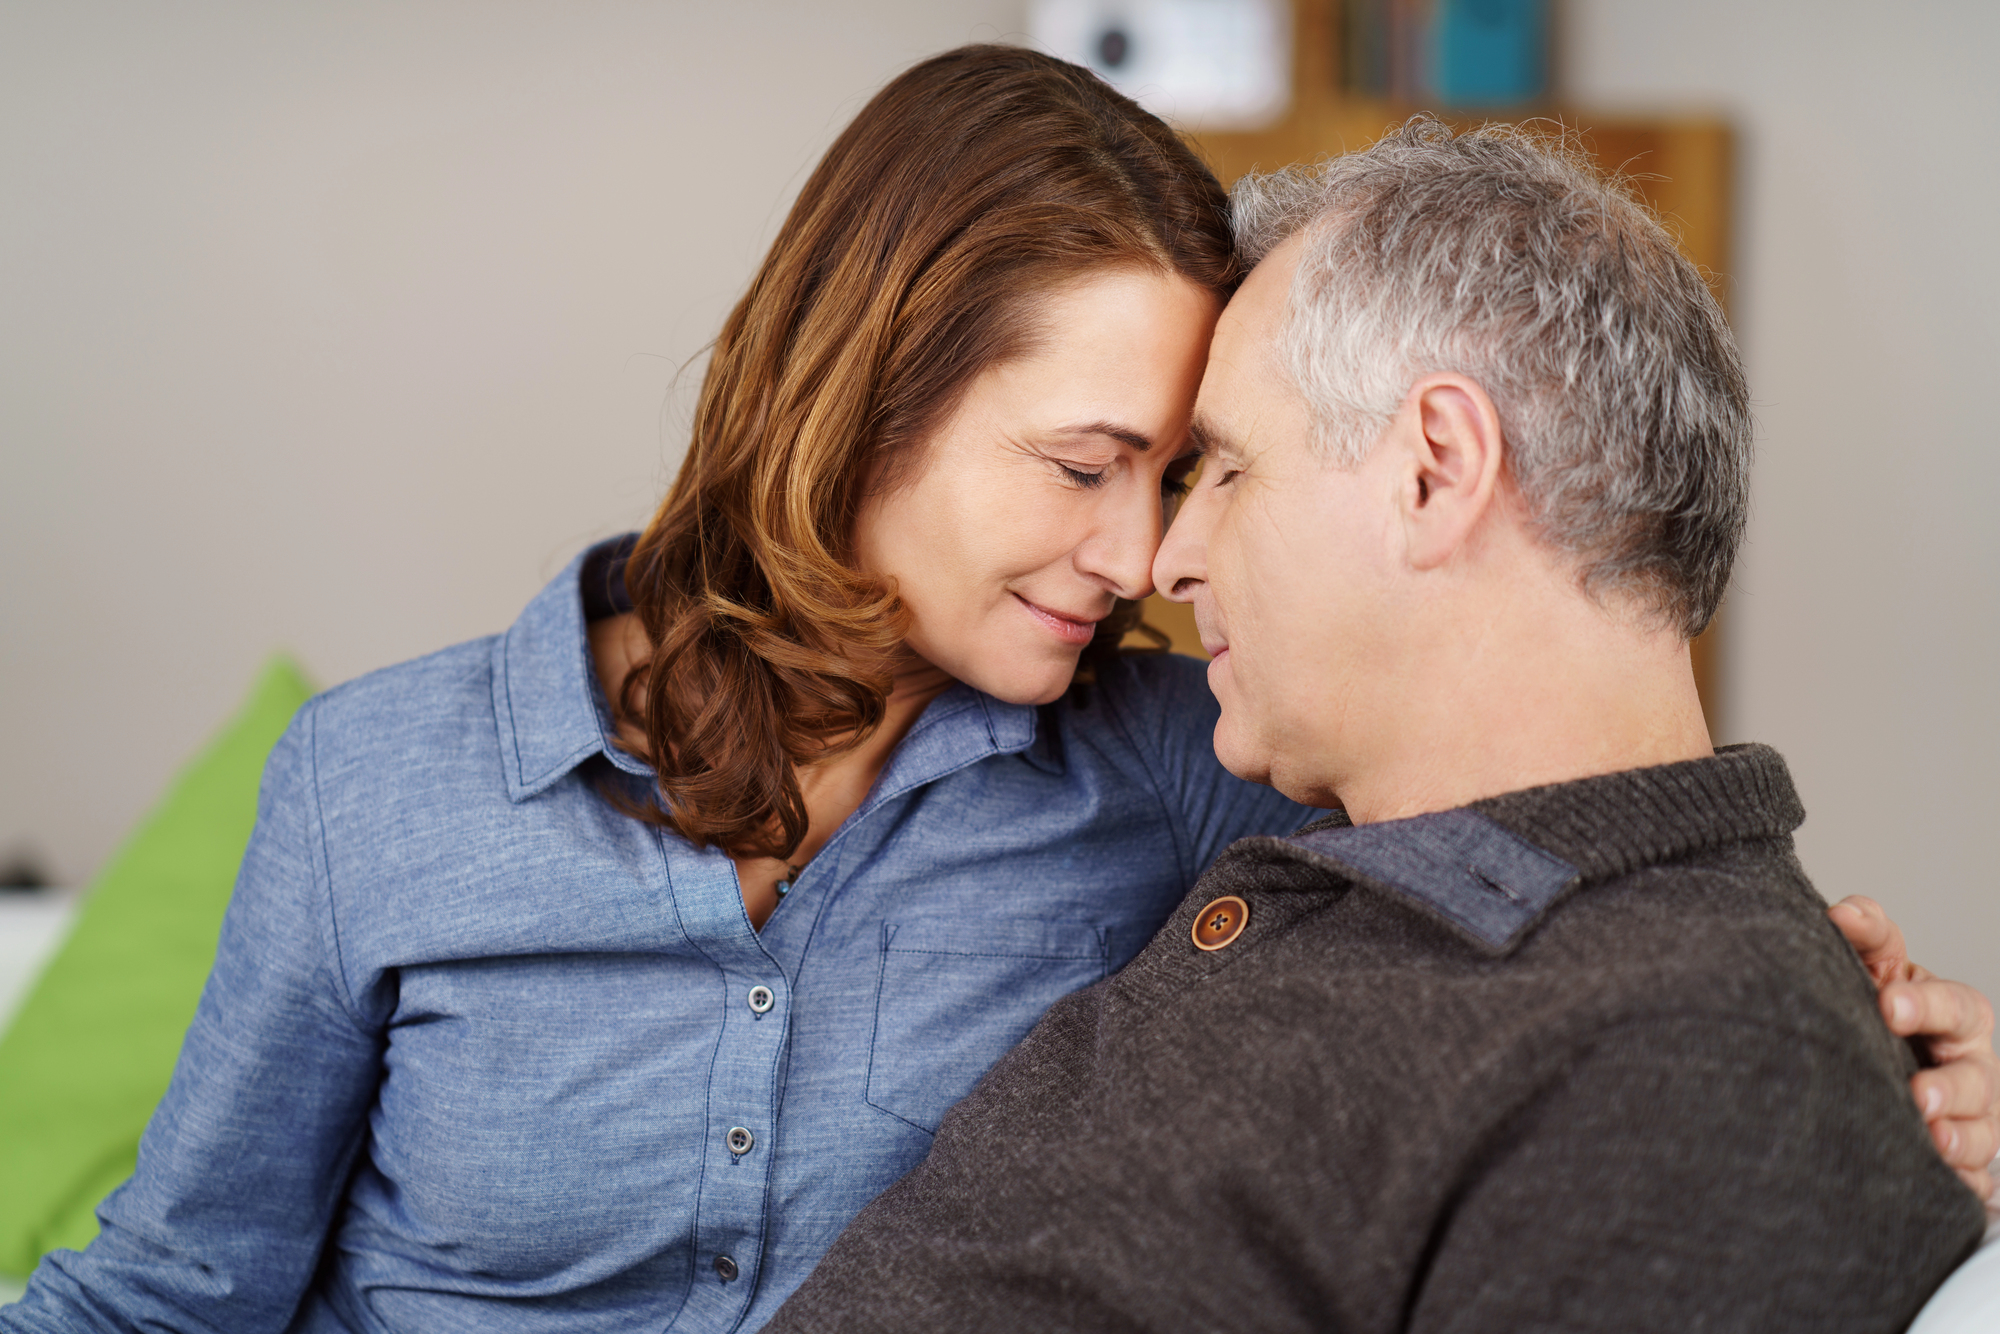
(1476, 442)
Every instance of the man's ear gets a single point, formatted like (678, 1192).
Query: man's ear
(1453, 451)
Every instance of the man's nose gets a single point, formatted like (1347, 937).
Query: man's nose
(1182, 560)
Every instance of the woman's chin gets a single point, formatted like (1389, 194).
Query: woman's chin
(1027, 683)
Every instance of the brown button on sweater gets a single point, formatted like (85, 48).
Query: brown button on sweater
(1586, 1057)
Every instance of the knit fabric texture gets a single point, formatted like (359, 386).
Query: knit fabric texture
(1666, 1102)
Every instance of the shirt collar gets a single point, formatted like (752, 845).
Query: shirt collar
(959, 727)
(552, 715)
(546, 699)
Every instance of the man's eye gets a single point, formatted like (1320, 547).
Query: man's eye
(1226, 476)
(1081, 478)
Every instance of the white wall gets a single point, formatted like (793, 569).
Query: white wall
(1864, 629)
(338, 327)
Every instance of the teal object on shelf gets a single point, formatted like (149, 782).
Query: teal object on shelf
(1488, 53)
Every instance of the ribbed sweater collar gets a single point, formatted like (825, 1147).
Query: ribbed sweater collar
(1614, 824)
(1493, 868)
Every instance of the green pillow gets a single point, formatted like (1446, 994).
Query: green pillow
(93, 1045)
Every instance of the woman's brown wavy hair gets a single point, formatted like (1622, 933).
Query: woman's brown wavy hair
(968, 188)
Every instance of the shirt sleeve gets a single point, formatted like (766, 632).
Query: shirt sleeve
(1170, 715)
(1702, 1175)
(246, 1159)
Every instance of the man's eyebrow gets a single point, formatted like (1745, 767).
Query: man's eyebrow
(1137, 439)
(1204, 438)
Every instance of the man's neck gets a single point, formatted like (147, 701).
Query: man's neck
(1576, 693)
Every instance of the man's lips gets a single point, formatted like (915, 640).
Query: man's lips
(1070, 629)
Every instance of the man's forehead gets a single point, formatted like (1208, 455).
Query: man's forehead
(1260, 301)
(1245, 363)
(1247, 334)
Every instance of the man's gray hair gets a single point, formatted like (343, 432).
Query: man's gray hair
(1502, 255)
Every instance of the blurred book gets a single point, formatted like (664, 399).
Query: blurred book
(1446, 53)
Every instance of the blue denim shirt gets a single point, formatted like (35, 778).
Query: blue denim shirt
(476, 1044)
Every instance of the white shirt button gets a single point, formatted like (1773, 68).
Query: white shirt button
(761, 1000)
(740, 1141)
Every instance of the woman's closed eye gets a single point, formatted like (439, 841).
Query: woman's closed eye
(1173, 483)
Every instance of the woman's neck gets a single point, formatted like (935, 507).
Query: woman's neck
(833, 788)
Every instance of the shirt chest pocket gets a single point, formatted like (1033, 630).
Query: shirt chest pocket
(953, 997)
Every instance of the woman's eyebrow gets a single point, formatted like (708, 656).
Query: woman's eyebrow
(1137, 439)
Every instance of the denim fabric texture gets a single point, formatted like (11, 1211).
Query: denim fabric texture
(475, 1043)
(1478, 875)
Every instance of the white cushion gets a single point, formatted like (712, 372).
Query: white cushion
(31, 926)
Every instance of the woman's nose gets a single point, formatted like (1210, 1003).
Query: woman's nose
(1120, 551)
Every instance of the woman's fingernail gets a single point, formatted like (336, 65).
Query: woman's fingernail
(1903, 1010)
(1950, 1141)
(1933, 1101)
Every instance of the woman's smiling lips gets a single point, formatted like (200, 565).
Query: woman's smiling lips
(1069, 629)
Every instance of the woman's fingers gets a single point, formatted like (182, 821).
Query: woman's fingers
(1963, 1090)
(1874, 937)
(1968, 1146)
(1960, 1095)
(1952, 1018)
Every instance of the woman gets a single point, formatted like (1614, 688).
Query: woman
(594, 975)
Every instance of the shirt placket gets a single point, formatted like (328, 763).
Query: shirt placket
(744, 1089)
(731, 1208)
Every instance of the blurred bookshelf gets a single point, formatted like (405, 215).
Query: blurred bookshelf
(1681, 166)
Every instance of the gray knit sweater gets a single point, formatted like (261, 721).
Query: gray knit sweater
(1585, 1057)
